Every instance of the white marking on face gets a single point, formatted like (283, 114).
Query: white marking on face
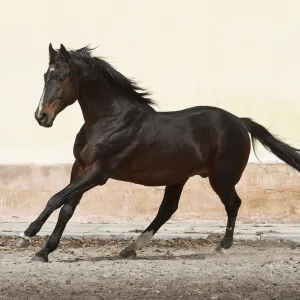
(41, 103)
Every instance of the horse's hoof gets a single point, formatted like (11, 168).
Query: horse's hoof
(22, 242)
(40, 258)
(226, 244)
(127, 253)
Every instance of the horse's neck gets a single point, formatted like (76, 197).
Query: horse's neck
(96, 104)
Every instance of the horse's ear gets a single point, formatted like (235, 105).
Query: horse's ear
(64, 53)
(52, 53)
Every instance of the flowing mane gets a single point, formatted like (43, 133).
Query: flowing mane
(92, 68)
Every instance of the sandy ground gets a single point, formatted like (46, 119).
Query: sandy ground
(174, 269)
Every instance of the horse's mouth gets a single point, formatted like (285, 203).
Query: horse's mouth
(46, 123)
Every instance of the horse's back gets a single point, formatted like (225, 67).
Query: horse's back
(221, 136)
(201, 117)
(191, 111)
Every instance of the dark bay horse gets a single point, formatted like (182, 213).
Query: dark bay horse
(124, 138)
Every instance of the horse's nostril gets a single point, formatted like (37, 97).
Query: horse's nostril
(42, 116)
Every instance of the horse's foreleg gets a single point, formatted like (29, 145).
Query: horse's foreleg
(167, 208)
(81, 181)
(65, 215)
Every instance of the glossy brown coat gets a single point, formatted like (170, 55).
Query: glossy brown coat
(124, 138)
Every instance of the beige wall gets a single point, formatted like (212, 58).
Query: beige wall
(243, 56)
(269, 193)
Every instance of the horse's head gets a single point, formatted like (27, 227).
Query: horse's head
(61, 86)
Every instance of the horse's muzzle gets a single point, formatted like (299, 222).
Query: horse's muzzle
(44, 119)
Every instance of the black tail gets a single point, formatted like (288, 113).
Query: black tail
(285, 152)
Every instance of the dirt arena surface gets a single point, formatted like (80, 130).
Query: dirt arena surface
(176, 269)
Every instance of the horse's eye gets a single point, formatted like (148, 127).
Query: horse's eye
(61, 78)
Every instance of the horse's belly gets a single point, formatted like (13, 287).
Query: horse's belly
(150, 179)
(162, 173)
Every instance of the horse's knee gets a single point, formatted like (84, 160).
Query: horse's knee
(53, 203)
(68, 210)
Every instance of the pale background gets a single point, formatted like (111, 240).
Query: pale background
(243, 56)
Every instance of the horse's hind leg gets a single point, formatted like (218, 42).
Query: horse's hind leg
(224, 185)
(167, 208)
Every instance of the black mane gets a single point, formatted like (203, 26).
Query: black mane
(92, 68)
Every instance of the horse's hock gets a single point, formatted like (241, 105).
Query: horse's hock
(270, 193)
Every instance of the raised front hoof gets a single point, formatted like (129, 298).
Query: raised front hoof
(127, 253)
(22, 242)
(41, 258)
